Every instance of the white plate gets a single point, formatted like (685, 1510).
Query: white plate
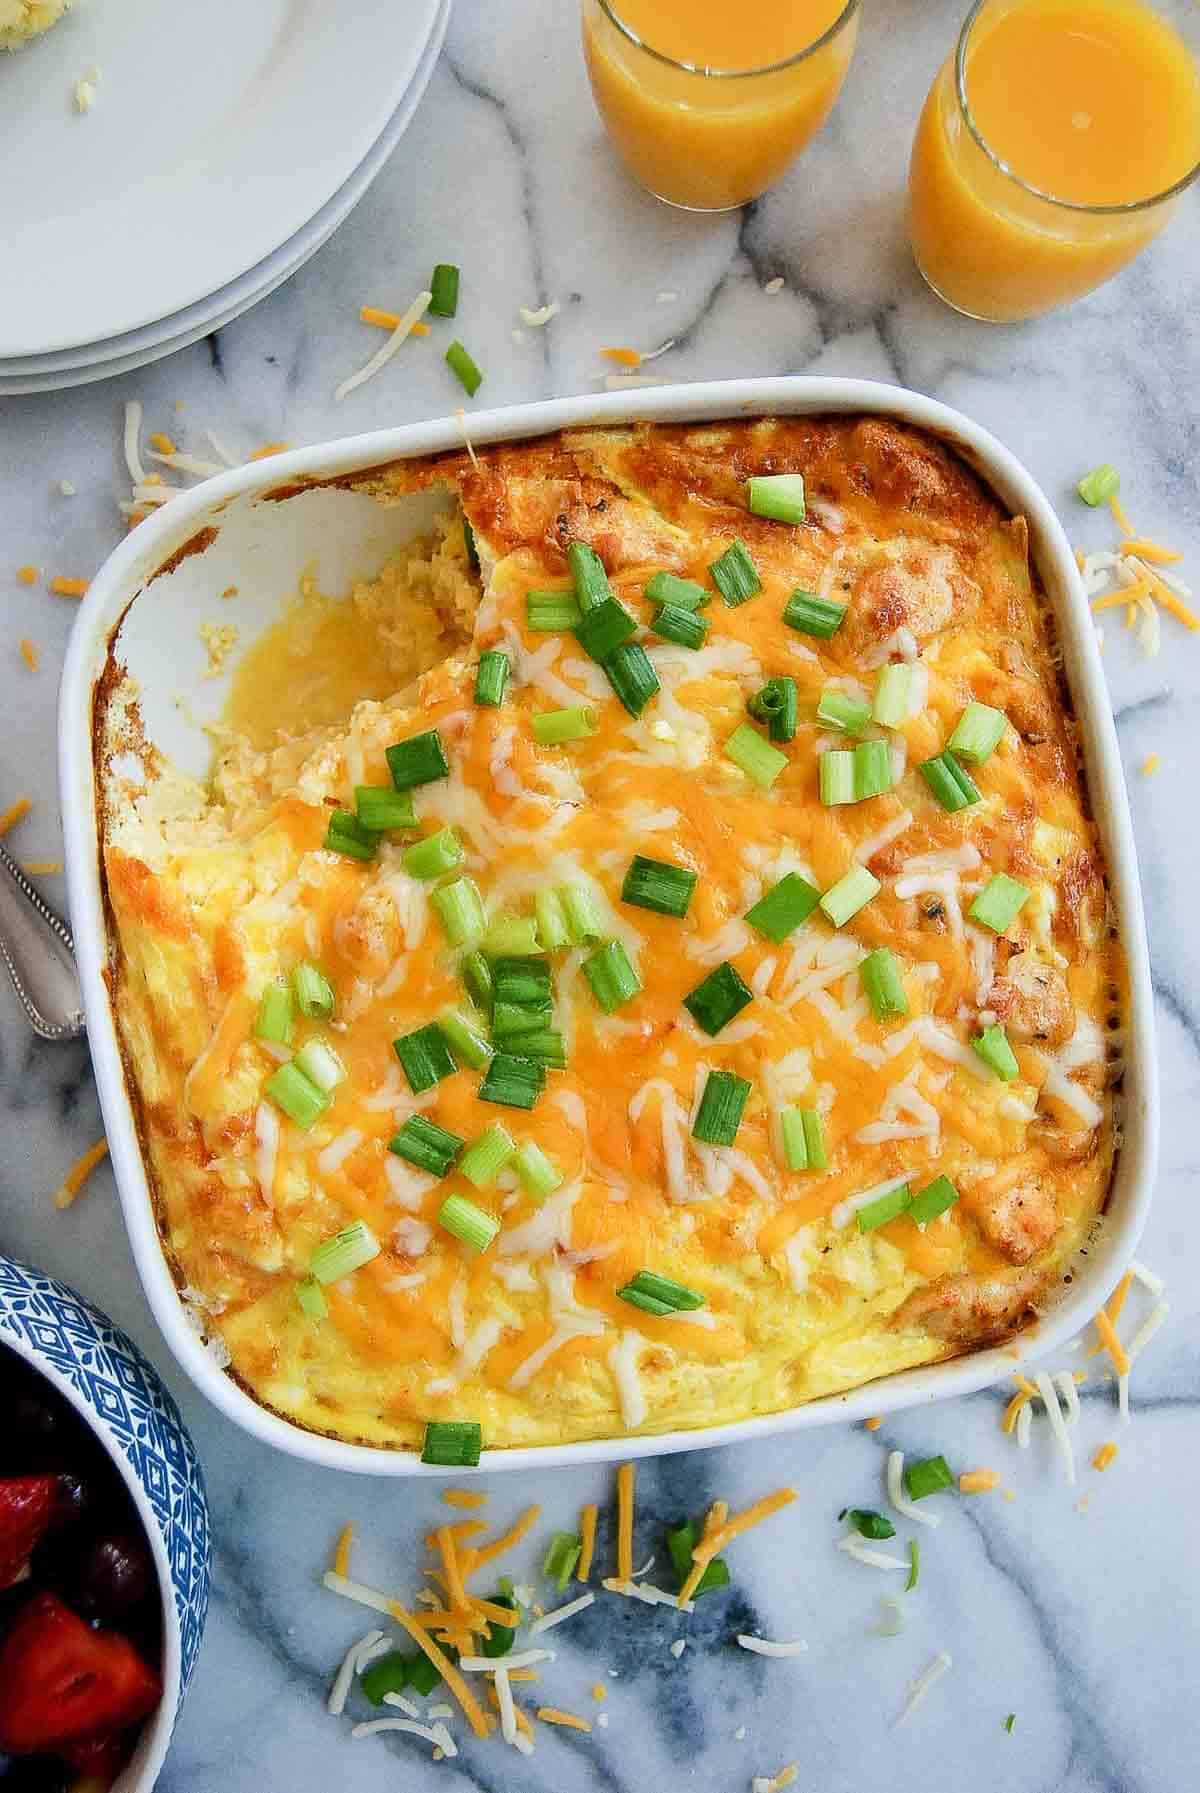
(218, 131)
(343, 535)
(78, 367)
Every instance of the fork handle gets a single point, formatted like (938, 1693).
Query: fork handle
(37, 948)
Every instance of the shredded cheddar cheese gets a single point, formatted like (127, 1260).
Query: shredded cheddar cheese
(599, 1690)
(587, 1542)
(1112, 1343)
(625, 1522)
(341, 1552)
(463, 1497)
(268, 449)
(873, 1424)
(27, 575)
(1171, 601)
(79, 1173)
(476, 1717)
(68, 588)
(1120, 519)
(388, 320)
(623, 357)
(29, 653)
(41, 868)
(162, 443)
(488, 1554)
(714, 1542)
(1104, 1455)
(1151, 551)
(1150, 764)
(978, 1481)
(16, 812)
(552, 1715)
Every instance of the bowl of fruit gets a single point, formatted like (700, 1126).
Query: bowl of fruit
(104, 1548)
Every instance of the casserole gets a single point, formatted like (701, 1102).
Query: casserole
(211, 544)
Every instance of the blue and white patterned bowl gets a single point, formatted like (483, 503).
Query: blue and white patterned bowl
(104, 1376)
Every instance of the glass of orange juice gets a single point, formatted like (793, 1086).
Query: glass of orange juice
(1052, 148)
(707, 102)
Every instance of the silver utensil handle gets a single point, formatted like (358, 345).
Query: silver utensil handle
(38, 950)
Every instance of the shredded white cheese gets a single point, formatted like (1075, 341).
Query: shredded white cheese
(897, 1496)
(559, 1613)
(765, 1646)
(623, 1362)
(344, 1679)
(854, 1546)
(381, 357)
(921, 1686)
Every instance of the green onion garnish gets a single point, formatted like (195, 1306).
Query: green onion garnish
(835, 775)
(512, 1082)
(777, 705)
(465, 370)
(779, 496)
(872, 769)
(344, 833)
(885, 1207)
(476, 974)
(422, 1142)
(993, 1048)
(552, 929)
(803, 1139)
(588, 575)
(683, 627)
(602, 629)
(755, 756)
(474, 1226)
(780, 910)
(721, 1108)
(513, 1022)
(347, 1251)
(437, 853)
(459, 907)
(977, 733)
(735, 575)
(933, 1200)
(679, 594)
(717, 999)
(546, 611)
(893, 690)
(300, 1099)
(310, 1297)
(914, 1565)
(546, 1046)
(419, 760)
(953, 787)
(1009, 1722)
(321, 1065)
(999, 903)
(539, 1176)
(681, 1542)
(562, 1554)
(444, 287)
(486, 1156)
(1101, 484)
(552, 728)
(659, 1295)
(379, 807)
(850, 894)
(498, 1640)
(654, 884)
(632, 676)
(511, 934)
(491, 679)
(582, 913)
(525, 981)
(811, 615)
(470, 544)
(274, 1019)
(869, 1524)
(880, 976)
(424, 1056)
(929, 1476)
(837, 710)
(387, 1674)
(468, 1042)
(454, 1444)
(612, 978)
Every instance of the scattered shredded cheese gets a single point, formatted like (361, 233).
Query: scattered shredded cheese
(79, 1173)
(1112, 1344)
(68, 588)
(559, 1613)
(765, 1646)
(1104, 1455)
(900, 1500)
(342, 1549)
(587, 1540)
(1062, 1439)
(625, 1495)
(716, 1540)
(854, 1546)
(16, 812)
(41, 868)
(978, 1481)
(29, 653)
(536, 319)
(463, 1497)
(27, 575)
(921, 1686)
(1150, 765)
(551, 1715)
(344, 1679)
(774, 1783)
(383, 355)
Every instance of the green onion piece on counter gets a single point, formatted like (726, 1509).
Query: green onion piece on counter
(1101, 484)
(512, 1082)
(453, 1444)
(299, 1098)
(630, 672)
(435, 854)
(672, 1297)
(777, 704)
(868, 1523)
(422, 1142)
(582, 912)
(521, 980)
(655, 884)
(779, 496)
(546, 1046)
(346, 1252)
(676, 593)
(548, 611)
(953, 787)
(491, 679)
(612, 978)
(511, 934)
(999, 903)
(539, 1176)
(933, 1200)
(466, 371)
(274, 1019)
(424, 1057)
(311, 1298)
(419, 760)
(681, 1542)
(344, 833)
(977, 733)
(379, 807)
(321, 1065)
(444, 287)
(468, 1042)
(513, 1021)
(835, 776)
(470, 544)
(498, 1640)
(811, 615)
(735, 575)
(717, 999)
(993, 1048)
(803, 1139)
(914, 1565)
(780, 910)
(881, 984)
(850, 894)
(459, 906)
(888, 1206)
(1009, 1722)
(422, 1676)
(553, 728)
(872, 769)
(929, 1476)
(588, 575)
(836, 710)
(562, 1554)
(467, 1222)
(552, 929)
(387, 1674)
(476, 974)
(721, 1108)
(487, 1156)
(893, 693)
(754, 756)
(683, 627)
(602, 629)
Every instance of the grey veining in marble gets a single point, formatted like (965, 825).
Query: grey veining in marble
(1086, 1624)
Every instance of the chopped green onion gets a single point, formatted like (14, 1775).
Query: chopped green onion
(837, 710)
(671, 1297)
(379, 807)
(425, 1057)
(811, 615)
(321, 1065)
(311, 1298)
(297, 1095)
(869, 1524)
(274, 1019)
(850, 894)
(612, 978)
(888, 1206)
(681, 1543)
(422, 1676)
(602, 629)
(779, 496)
(835, 773)
(546, 1046)
(562, 1554)
(1009, 1722)
(803, 1139)
(453, 1444)
(552, 929)
(511, 934)
(755, 756)
(677, 594)
(953, 788)
(1101, 484)
(929, 1476)
(486, 1156)
(344, 833)
(893, 690)
(977, 733)
(498, 1640)
(933, 1200)
(422, 1142)
(465, 370)
(780, 910)
(717, 999)
(459, 908)
(735, 575)
(512, 1082)
(872, 769)
(999, 903)
(993, 1048)
(721, 1108)
(631, 674)
(683, 627)
(551, 728)
(387, 1674)
(419, 760)
(491, 679)
(588, 575)
(546, 611)
(524, 981)
(472, 1225)
(347, 1251)
(778, 706)
(470, 544)
(513, 1021)
(880, 976)
(476, 974)
(914, 1565)
(444, 287)
(539, 1176)
(436, 853)
(657, 885)
(582, 913)
(467, 1040)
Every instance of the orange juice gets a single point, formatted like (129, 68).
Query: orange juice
(707, 103)
(1080, 116)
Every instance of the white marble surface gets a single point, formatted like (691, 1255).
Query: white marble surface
(1085, 1624)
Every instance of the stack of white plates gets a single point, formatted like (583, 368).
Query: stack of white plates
(224, 143)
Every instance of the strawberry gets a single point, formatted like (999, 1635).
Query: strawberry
(26, 1509)
(60, 1681)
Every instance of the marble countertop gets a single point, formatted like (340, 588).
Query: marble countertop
(1077, 1609)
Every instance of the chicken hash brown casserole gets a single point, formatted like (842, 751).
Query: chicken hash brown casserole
(875, 1135)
